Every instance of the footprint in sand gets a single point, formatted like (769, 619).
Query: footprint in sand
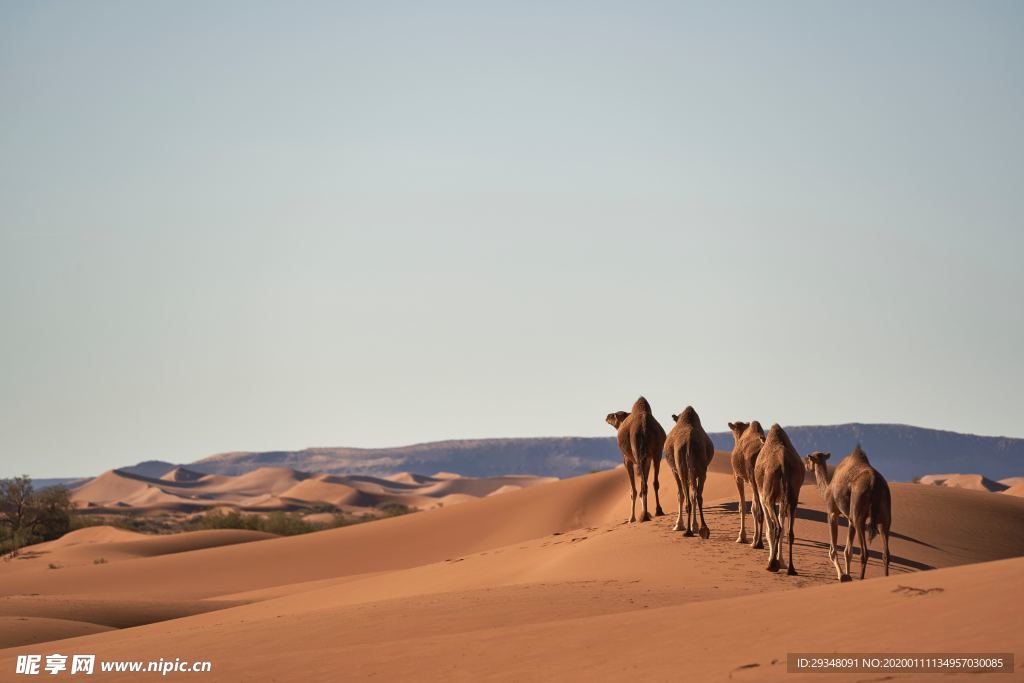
(912, 592)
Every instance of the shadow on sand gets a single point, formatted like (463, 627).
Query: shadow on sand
(821, 517)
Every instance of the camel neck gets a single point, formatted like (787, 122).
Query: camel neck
(821, 478)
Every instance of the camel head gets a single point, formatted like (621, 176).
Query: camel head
(816, 458)
(615, 419)
(738, 428)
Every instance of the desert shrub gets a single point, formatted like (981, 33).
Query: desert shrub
(323, 507)
(232, 519)
(132, 522)
(291, 523)
(287, 524)
(99, 560)
(280, 523)
(394, 509)
(85, 521)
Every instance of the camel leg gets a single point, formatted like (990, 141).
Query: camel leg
(742, 538)
(848, 550)
(792, 519)
(777, 546)
(632, 492)
(778, 535)
(884, 530)
(772, 526)
(658, 512)
(693, 509)
(679, 497)
(833, 534)
(767, 528)
(689, 510)
(645, 470)
(862, 537)
(705, 532)
(758, 512)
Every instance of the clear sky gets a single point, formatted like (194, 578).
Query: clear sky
(247, 226)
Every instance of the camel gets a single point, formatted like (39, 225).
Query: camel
(778, 473)
(689, 451)
(641, 439)
(748, 438)
(858, 492)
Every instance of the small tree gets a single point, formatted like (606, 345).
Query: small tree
(54, 513)
(28, 516)
(16, 513)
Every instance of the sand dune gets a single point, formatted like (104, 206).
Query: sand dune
(974, 482)
(181, 474)
(103, 545)
(280, 488)
(935, 527)
(16, 631)
(1011, 486)
(546, 579)
(1014, 486)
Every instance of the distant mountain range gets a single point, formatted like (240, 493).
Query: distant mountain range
(900, 452)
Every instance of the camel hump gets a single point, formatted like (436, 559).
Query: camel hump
(859, 453)
(778, 435)
(689, 416)
(756, 426)
(641, 406)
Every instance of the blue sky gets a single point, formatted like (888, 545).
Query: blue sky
(240, 226)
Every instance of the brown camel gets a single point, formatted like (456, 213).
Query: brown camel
(778, 473)
(748, 438)
(689, 451)
(860, 493)
(641, 439)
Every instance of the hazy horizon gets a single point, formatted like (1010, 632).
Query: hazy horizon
(256, 227)
(609, 435)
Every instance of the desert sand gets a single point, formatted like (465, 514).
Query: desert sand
(280, 488)
(541, 582)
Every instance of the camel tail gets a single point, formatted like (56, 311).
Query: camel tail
(691, 474)
(639, 443)
(874, 513)
(881, 507)
(670, 455)
(786, 496)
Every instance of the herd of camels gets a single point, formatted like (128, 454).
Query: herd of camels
(775, 472)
